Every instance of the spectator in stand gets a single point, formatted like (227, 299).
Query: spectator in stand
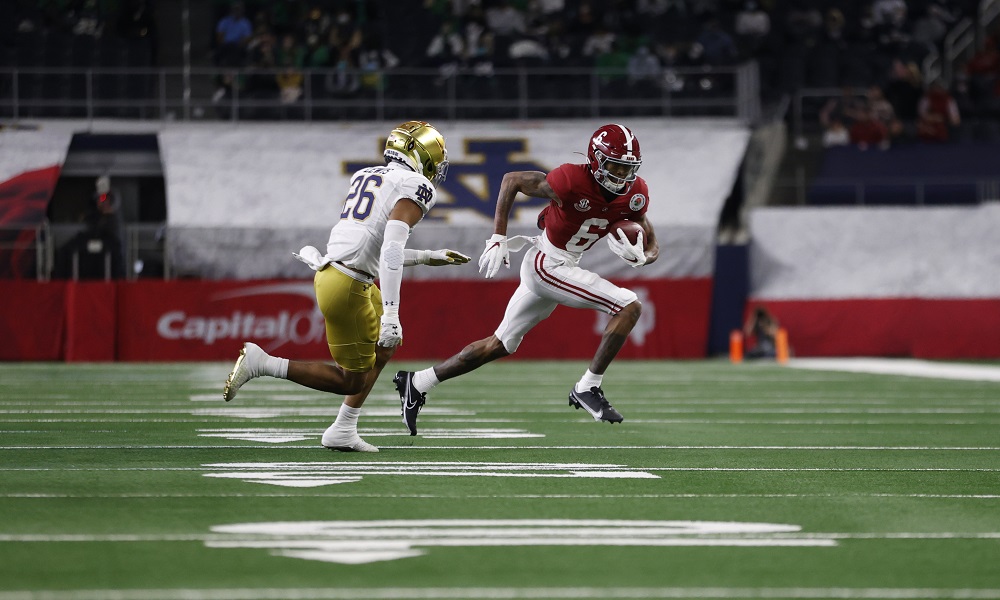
(345, 40)
(482, 56)
(87, 19)
(622, 17)
(835, 133)
(546, 9)
(346, 36)
(232, 33)
(446, 51)
(867, 131)
(290, 78)
(473, 27)
(136, 22)
(261, 83)
(938, 113)
(506, 20)
(884, 112)
(600, 42)
(803, 24)
(751, 26)
(982, 78)
(713, 45)
(904, 90)
(644, 71)
(528, 50)
(930, 27)
(612, 66)
(373, 58)
(889, 13)
(582, 22)
(316, 25)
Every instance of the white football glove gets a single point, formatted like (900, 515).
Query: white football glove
(440, 258)
(634, 255)
(494, 255)
(391, 334)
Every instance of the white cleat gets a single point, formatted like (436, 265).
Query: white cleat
(346, 441)
(247, 367)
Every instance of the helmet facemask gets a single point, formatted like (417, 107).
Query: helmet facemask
(608, 180)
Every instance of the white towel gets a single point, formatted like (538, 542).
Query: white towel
(312, 257)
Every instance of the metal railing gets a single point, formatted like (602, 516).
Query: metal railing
(70, 251)
(896, 191)
(331, 94)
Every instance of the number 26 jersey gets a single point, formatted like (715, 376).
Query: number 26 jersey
(356, 240)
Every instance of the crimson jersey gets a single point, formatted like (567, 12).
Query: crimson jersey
(585, 215)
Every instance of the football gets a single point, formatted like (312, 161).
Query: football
(631, 229)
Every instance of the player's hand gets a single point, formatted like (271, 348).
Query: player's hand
(494, 255)
(633, 254)
(391, 334)
(440, 258)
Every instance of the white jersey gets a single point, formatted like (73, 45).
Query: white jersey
(356, 240)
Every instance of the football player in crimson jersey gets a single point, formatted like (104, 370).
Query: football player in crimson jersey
(362, 321)
(584, 201)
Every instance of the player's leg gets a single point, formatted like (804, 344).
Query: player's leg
(351, 331)
(252, 362)
(579, 288)
(343, 433)
(352, 319)
(615, 334)
(524, 310)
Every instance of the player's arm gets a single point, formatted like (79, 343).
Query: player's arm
(529, 183)
(404, 214)
(651, 247)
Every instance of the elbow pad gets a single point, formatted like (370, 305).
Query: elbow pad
(390, 270)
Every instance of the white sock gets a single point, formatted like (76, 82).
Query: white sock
(347, 418)
(425, 380)
(275, 366)
(588, 381)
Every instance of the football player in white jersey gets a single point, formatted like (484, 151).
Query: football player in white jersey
(368, 242)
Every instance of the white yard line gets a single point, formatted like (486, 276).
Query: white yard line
(679, 469)
(305, 494)
(907, 367)
(513, 447)
(509, 593)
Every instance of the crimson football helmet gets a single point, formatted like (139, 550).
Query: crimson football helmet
(618, 145)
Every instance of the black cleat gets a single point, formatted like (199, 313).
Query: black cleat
(411, 401)
(596, 404)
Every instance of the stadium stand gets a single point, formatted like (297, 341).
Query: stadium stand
(749, 66)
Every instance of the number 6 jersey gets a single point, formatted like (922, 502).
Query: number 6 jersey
(585, 215)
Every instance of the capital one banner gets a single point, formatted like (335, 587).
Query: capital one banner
(199, 320)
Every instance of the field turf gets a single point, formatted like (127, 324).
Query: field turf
(137, 482)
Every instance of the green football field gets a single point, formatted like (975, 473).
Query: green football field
(136, 481)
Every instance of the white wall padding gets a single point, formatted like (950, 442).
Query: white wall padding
(242, 196)
(296, 176)
(32, 148)
(867, 252)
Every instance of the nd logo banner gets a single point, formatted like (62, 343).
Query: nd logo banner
(474, 183)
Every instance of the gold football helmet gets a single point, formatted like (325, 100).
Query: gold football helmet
(419, 146)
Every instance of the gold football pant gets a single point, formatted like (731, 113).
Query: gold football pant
(352, 310)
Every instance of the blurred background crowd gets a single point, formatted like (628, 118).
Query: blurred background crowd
(876, 51)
